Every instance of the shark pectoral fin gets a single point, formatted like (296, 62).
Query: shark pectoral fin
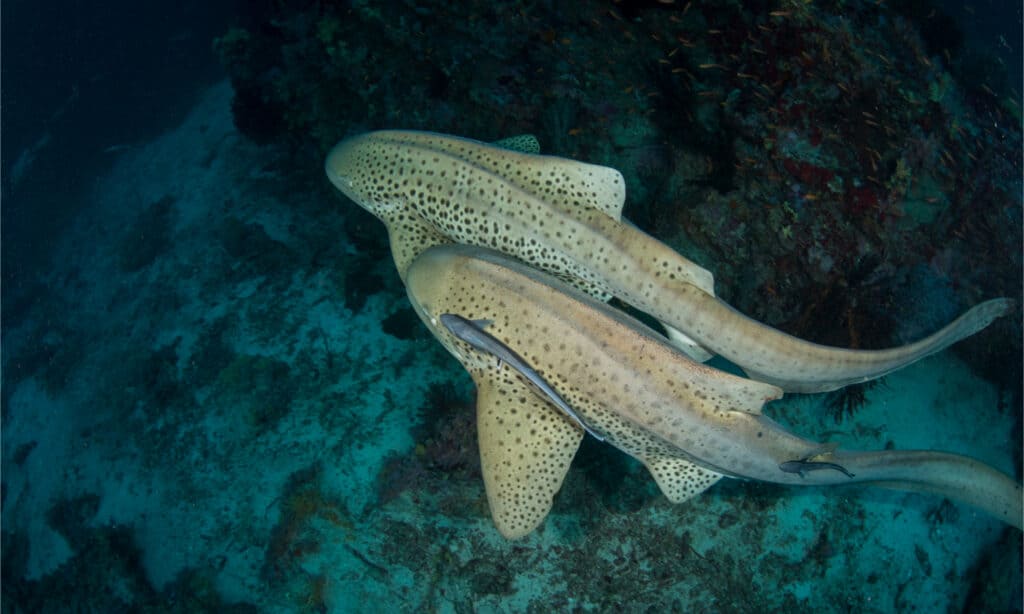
(523, 143)
(526, 447)
(686, 345)
(410, 236)
(680, 479)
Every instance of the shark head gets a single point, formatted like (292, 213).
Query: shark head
(350, 168)
(434, 189)
(429, 289)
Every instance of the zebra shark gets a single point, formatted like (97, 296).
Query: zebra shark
(565, 217)
(568, 364)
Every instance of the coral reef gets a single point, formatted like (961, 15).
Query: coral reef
(446, 448)
(850, 173)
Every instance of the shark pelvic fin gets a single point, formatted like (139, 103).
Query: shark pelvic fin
(526, 447)
(679, 479)
(686, 345)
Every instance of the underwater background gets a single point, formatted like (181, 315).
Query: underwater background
(216, 397)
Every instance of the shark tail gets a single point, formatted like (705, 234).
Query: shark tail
(949, 475)
(838, 367)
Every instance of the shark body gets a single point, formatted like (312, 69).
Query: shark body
(689, 424)
(565, 217)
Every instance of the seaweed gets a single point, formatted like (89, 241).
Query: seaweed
(845, 402)
(298, 534)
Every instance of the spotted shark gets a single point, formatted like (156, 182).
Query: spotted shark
(583, 366)
(565, 217)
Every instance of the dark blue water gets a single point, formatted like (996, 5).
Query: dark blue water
(215, 394)
(80, 81)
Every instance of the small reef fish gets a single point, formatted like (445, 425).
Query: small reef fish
(689, 424)
(565, 217)
(473, 333)
(802, 466)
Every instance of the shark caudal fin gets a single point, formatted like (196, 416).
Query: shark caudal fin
(679, 479)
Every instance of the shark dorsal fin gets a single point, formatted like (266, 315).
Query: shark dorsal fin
(600, 187)
(523, 143)
(679, 479)
(686, 345)
(571, 184)
(526, 447)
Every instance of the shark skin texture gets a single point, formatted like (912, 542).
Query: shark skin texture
(691, 425)
(565, 217)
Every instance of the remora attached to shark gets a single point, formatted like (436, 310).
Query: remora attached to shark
(688, 423)
(565, 217)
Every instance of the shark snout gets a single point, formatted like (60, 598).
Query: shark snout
(340, 168)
